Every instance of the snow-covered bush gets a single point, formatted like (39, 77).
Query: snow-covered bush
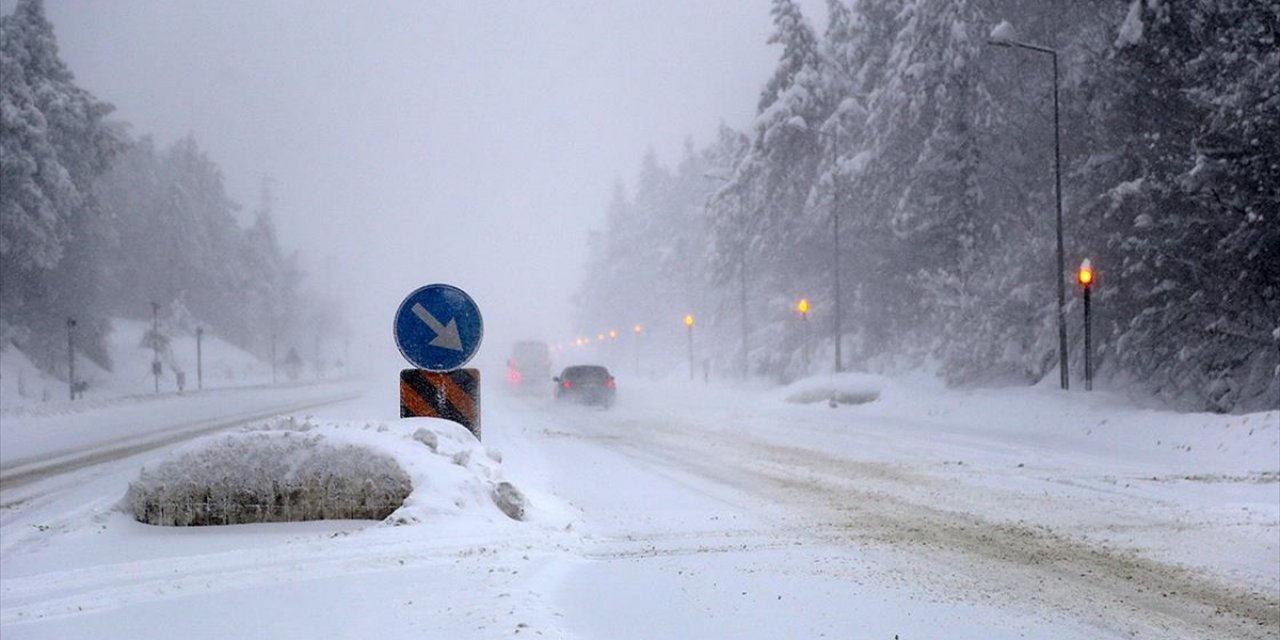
(289, 469)
(269, 476)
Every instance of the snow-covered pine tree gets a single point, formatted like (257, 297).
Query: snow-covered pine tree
(1193, 226)
(53, 141)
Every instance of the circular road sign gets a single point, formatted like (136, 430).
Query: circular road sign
(438, 327)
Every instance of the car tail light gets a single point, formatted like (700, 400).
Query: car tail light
(611, 384)
(566, 385)
(513, 375)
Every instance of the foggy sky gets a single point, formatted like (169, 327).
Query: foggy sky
(473, 143)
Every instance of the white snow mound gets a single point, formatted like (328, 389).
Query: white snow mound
(286, 469)
(834, 389)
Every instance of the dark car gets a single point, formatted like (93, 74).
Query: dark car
(586, 384)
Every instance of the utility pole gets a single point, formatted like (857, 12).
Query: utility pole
(155, 344)
(71, 358)
(803, 308)
(835, 233)
(742, 299)
(638, 330)
(688, 322)
(199, 359)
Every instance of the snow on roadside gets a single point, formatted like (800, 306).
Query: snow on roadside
(1099, 423)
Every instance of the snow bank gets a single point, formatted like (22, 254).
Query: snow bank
(292, 470)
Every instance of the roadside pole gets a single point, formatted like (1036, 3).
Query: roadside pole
(1086, 281)
(71, 358)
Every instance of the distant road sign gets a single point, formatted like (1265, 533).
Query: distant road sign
(438, 327)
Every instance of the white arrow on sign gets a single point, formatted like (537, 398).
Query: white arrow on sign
(446, 335)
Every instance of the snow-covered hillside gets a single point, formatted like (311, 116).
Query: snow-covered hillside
(25, 387)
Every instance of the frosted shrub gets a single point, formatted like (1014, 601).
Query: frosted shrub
(282, 476)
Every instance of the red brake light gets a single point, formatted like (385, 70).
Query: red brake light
(611, 384)
(513, 375)
(566, 384)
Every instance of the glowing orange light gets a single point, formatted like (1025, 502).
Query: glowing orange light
(1086, 273)
(688, 321)
(599, 337)
(637, 329)
(612, 334)
(803, 306)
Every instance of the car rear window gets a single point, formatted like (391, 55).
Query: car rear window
(587, 374)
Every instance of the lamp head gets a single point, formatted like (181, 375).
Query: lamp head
(1003, 35)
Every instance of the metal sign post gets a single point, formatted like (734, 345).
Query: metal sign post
(438, 328)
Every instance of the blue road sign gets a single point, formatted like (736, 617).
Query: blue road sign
(438, 327)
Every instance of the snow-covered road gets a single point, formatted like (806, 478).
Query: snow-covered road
(705, 512)
(42, 442)
(1105, 539)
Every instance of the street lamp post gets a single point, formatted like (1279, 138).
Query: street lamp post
(155, 343)
(199, 359)
(1004, 36)
(803, 308)
(742, 297)
(638, 330)
(798, 123)
(688, 322)
(1086, 280)
(71, 358)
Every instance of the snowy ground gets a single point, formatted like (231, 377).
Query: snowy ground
(25, 389)
(710, 512)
